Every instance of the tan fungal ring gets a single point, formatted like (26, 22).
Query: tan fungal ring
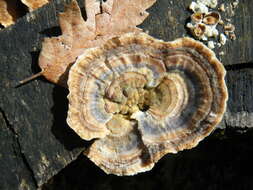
(143, 98)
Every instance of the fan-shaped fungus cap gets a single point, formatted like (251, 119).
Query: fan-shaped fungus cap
(197, 17)
(199, 30)
(144, 98)
(212, 18)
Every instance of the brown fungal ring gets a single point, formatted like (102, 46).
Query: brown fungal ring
(144, 98)
(212, 18)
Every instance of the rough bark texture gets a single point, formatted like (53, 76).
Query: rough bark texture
(35, 140)
(36, 112)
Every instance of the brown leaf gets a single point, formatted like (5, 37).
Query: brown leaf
(104, 21)
(11, 10)
(8, 12)
(34, 4)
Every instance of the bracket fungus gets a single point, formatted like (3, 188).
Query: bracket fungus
(141, 98)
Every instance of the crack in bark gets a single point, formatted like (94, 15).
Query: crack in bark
(8, 123)
(18, 149)
(239, 66)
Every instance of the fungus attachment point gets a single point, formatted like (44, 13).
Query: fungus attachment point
(143, 98)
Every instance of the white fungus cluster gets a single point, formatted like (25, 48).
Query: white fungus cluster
(204, 22)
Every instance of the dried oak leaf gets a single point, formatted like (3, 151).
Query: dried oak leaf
(34, 4)
(11, 10)
(104, 21)
(8, 12)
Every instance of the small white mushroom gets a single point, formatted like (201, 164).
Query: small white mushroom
(210, 44)
(229, 27)
(215, 32)
(222, 7)
(221, 53)
(198, 7)
(212, 18)
(189, 25)
(209, 31)
(235, 4)
(232, 36)
(197, 17)
(223, 39)
(221, 22)
(209, 3)
(199, 30)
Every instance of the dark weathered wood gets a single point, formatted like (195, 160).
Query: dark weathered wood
(36, 112)
(34, 127)
(240, 104)
(15, 173)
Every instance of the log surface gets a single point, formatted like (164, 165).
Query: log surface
(36, 142)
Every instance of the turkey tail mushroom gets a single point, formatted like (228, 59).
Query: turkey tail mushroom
(142, 98)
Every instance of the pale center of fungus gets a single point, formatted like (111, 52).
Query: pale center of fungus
(127, 94)
(130, 93)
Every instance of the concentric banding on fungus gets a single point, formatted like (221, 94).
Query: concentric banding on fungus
(121, 152)
(144, 98)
